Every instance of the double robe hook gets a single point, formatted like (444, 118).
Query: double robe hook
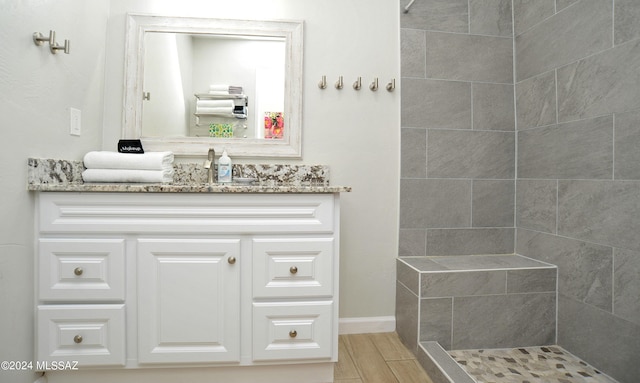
(39, 39)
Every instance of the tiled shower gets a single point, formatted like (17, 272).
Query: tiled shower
(521, 133)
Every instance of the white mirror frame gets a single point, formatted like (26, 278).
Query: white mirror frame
(288, 147)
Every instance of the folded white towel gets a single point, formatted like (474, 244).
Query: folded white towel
(115, 160)
(127, 175)
(219, 92)
(219, 87)
(215, 103)
(215, 110)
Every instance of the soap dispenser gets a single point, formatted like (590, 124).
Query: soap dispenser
(224, 168)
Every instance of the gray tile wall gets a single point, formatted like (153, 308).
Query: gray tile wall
(578, 168)
(565, 152)
(458, 128)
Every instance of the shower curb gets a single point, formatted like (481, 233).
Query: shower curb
(439, 365)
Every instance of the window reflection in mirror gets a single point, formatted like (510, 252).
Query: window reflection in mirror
(209, 85)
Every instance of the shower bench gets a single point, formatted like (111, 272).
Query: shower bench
(472, 302)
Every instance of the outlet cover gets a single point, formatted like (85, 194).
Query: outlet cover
(75, 122)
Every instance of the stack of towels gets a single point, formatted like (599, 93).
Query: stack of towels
(215, 106)
(233, 107)
(150, 167)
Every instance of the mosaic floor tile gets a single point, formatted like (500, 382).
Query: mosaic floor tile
(549, 364)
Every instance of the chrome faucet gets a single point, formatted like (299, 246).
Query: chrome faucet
(210, 165)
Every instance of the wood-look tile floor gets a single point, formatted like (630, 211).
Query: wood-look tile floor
(376, 358)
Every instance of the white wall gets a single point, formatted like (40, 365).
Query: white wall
(36, 91)
(355, 133)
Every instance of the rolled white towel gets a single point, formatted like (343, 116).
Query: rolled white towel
(215, 103)
(127, 175)
(215, 110)
(115, 160)
(219, 87)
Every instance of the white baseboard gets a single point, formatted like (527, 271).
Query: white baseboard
(367, 325)
(279, 373)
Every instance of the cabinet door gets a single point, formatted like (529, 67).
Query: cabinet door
(188, 300)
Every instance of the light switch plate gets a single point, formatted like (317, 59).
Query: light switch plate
(75, 122)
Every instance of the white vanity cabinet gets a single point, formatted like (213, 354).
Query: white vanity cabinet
(157, 282)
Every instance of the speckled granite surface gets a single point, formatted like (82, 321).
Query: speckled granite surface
(63, 175)
(548, 364)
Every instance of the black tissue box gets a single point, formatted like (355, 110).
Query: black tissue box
(130, 146)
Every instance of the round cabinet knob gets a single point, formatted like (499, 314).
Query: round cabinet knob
(231, 260)
(293, 333)
(77, 339)
(293, 269)
(78, 271)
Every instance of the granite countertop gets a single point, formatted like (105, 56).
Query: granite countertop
(51, 175)
(184, 188)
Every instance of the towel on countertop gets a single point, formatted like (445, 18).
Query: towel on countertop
(128, 175)
(215, 103)
(130, 161)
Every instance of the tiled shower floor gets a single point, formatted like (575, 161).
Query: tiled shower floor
(549, 364)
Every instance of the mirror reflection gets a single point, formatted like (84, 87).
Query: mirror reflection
(197, 83)
(213, 85)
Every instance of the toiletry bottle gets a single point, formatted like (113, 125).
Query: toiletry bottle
(224, 168)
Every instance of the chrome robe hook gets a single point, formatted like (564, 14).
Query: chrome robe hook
(391, 85)
(323, 83)
(358, 84)
(374, 85)
(39, 39)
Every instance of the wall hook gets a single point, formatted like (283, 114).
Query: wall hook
(323, 83)
(391, 85)
(358, 84)
(374, 85)
(39, 39)
(339, 83)
(55, 47)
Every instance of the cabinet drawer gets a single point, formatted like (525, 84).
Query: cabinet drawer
(292, 331)
(297, 267)
(185, 213)
(81, 269)
(92, 335)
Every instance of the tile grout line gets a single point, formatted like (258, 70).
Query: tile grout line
(515, 128)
